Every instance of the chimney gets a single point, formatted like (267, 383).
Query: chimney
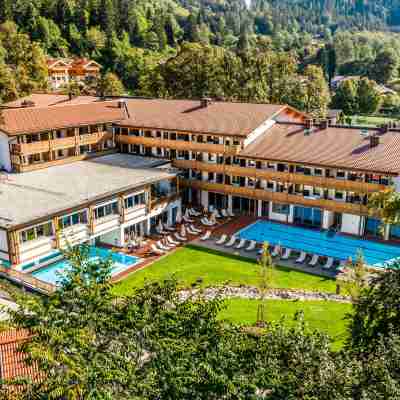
(384, 129)
(205, 102)
(373, 140)
(324, 123)
(309, 123)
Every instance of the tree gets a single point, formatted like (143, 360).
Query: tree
(385, 66)
(376, 313)
(8, 87)
(368, 97)
(345, 97)
(265, 282)
(110, 85)
(386, 204)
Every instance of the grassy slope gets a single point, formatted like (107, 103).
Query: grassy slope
(326, 316)
(190, 264)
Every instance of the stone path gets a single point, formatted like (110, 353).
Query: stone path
(251, 292)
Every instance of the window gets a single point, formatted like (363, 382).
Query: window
(73, 219)
(318, 172)
(279, 208)
(340, 174)
(108, 209)
(339, 195)
(37, 232)
(135, 201)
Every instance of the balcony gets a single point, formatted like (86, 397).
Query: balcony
(279, 197)
(284, 177)
(179, 145)
(60, 143)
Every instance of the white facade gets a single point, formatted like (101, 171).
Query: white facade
(4, 245)
(5, 158)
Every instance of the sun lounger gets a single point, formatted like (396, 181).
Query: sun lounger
(162, 247)
(286, 254)
(192, 232)
(276, 251)
(179, 237)
(231, 242)
(251, 246)
(155, 250)
(342, 265)
(222, 239)
(172, 241)
(194, 229)
(224, 213)
(302, 258)
(314, 260)
(187, 219)
(170, 228)
(206, 222)
(160, 231)
(206, 236)
(329, 263)
(241, 244)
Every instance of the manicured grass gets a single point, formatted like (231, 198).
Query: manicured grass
(208, 268)
(325, 316)
(370, 121)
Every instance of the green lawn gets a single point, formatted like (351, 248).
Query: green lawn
(191, 264)
(326, 316)
(370, 121)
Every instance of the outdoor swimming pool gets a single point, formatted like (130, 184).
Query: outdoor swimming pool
(321, 242)
(120, 262)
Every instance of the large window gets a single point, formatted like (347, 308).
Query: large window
(135, 201)
(308, 216)
(37, 232)
(279, 208)
(108, 209)
(372, 227)
(73, 219)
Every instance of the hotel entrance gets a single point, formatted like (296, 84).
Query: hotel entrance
(244, 206)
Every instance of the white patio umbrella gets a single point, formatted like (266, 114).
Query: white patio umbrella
(179, 216)
(183, 231)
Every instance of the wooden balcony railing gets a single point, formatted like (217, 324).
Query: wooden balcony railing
(179, 145)
(61, 143)
(27, 280)
(260, 194)
(284, 177)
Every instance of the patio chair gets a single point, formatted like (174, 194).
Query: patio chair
(314, 260)
(286, 254)
(206, 236)
(276, 251)
(328, 264)
(251, 246)
(222, 239)
(241, 244)
(156, 250)
(231, 242)
(302, 258)
(179, 237)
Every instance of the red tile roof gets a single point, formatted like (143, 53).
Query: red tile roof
(47, 100)
(38, 119)
(332, 147)
(220, 118)
(12, 361)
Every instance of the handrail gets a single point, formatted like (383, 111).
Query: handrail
(280, 197)
(284, 177)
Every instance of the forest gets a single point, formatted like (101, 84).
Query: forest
(290, 47)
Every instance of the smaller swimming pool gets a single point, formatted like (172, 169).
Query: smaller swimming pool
(52, 273)
(322, 243)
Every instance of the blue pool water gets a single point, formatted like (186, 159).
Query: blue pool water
(120, 262)
(321, 242)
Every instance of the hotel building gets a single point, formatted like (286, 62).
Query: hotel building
(65, 181)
